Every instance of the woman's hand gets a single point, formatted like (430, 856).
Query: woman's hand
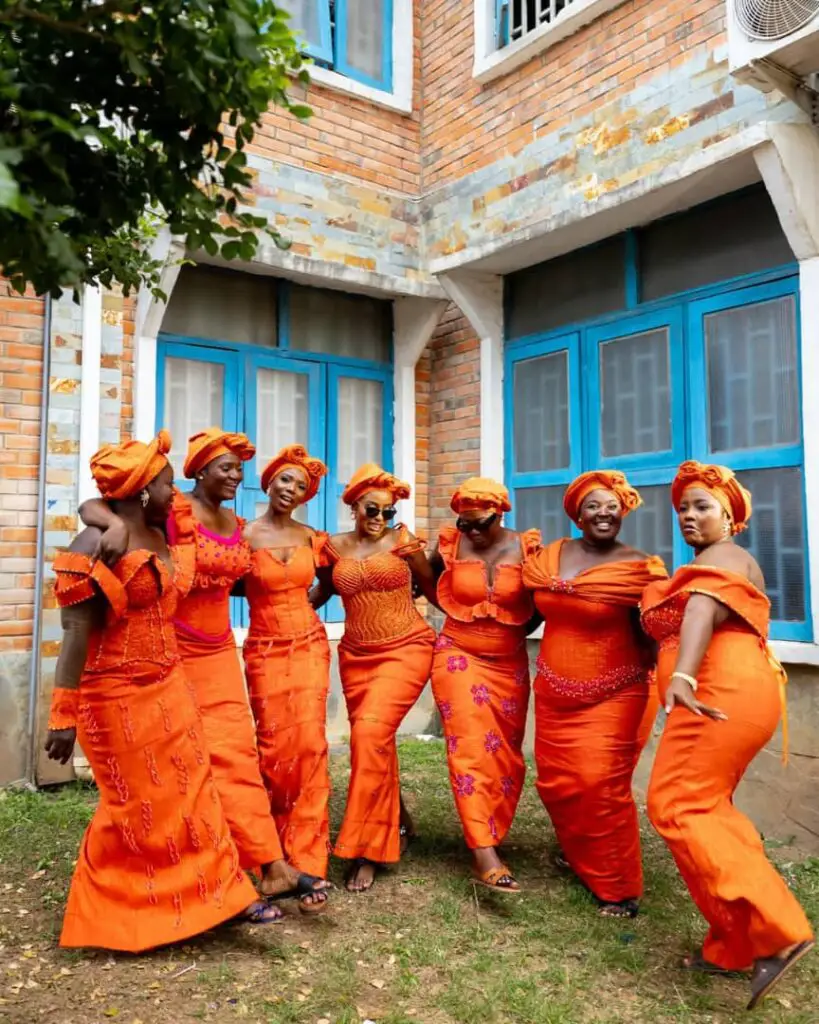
(59, 744)
(112, 545)
(680, 692)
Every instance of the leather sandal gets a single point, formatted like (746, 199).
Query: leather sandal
(769, 971)
(500, 879)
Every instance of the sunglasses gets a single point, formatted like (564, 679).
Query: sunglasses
(373, 512)
(476, 525)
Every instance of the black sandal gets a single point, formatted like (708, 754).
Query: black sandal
(769, 971)
(623, 908)
(359, 862)
(697, 962)
(304, 888)
(405, 838)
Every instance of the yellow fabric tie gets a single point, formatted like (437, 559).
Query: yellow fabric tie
(782, 679)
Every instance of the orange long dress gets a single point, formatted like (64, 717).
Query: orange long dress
(384, 659)
(157, 863)
(212, 665)
(287, 658)
(699, 763)
(593, 708)
(480, 679)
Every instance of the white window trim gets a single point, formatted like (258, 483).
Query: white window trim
(400, 99)
(491, 63)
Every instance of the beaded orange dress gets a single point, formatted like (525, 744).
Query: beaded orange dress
(480, 679)
(211, 662)
(750, 909)
(384, 659)
(157, 863)
(287, 658)
(593, 710)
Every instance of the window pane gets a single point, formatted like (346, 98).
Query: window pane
(753, 383)
(304, 18)
(541, 413)
(541, 508)
(636, 394)
(651, 527)
(281, 412)
(775, 536)
(365, 37)
(360, 430)
(223, 305)
(194, 393)
(339, 324)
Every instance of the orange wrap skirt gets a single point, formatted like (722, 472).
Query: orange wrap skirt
(288, 680)
(215, 672)
(381, 683)
(156, 864)
(480, 680)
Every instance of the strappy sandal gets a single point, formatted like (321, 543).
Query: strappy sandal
(405, 838)
(500, 879)
(260, 913)
(304, 888)
(560, 862)
(696, 962)
(769, 971)
(622, 908)
(351, 871)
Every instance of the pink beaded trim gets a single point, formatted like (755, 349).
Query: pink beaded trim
(588, 691)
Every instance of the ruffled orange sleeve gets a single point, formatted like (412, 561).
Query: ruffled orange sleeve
(540, 565)
(530, 543)
(407, 546)
(319, 542)
(181, 527)
(79, 579)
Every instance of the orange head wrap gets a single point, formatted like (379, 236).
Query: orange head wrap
(480, 494)
(371, 477)
(212, 443)
(294, 456)
(600, 480)
(122, 470)
(719, 481)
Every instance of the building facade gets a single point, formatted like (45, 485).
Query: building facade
(528, 238)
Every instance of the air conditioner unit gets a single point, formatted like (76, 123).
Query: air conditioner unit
(774, 44)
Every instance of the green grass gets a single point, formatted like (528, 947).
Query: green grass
(424, 946)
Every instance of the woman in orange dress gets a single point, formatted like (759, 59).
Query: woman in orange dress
(211, 535)
(722, 690)
(593, 705)
(287, 658)
(384, 660)
(480, 672)
(157, 863)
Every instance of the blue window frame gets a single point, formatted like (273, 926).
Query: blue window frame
(340, 408)
(352, 37)
(712, 374)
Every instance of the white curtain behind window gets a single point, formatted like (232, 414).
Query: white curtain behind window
(365, 37)
(360, 430)
(194, 401)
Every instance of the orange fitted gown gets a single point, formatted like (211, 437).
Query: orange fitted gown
(212, 665)
(384, 659)
(480, 679)
(700, 762)
(157, 863)
(287, 658)
(593, 712)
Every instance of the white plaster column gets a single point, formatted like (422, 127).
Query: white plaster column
(479, 296)
(90, 390)
(150, 311)
(414, 319)
(789, 166)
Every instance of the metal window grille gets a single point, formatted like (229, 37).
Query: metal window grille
(517, 18)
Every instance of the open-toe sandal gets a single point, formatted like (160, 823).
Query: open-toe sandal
(500, 879)
(769, 971)
(353, 870)
(305, 891)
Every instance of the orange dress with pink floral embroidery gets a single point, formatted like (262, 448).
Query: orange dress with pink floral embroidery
(287, 658)
(593, 708)
(157, 863)
(211, 662)
(384, 660)
(480, 679)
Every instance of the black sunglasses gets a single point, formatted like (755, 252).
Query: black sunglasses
(373, 512)
(476, 525)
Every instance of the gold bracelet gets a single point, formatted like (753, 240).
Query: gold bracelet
(692, 682)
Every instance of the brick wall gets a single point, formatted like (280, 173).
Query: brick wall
(127, 366)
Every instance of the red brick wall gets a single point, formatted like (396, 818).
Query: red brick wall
(467, 125)
(21, 369)
(127, 364)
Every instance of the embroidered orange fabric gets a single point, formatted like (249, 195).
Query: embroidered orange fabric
(212, 664)
(63, 712)
(480, 680)
(699, 763)
(384, 661)
(287, 659)
(157, 863)
(592, 694)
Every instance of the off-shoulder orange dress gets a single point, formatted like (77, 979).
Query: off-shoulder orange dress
(593, 713)
(157, 863)
(751, 912)
(384, 659)
(212, 665)
(287, 658)
(480, 679)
